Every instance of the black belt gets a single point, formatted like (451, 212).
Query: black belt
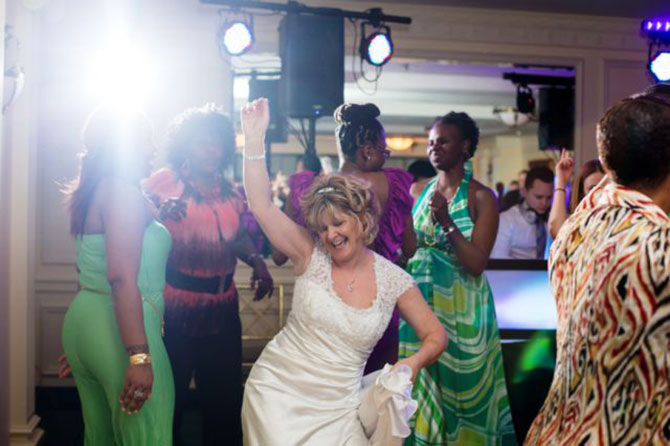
(210, 285)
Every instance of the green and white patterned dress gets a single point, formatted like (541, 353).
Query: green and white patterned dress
(462, 397)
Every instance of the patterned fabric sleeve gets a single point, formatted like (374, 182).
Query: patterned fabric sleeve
(298, 183)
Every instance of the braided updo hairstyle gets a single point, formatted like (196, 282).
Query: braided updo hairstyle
(357, 125)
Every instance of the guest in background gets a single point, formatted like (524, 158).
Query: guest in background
(609, 274)
(361, 143)
(522, 233)
(590, 174)
(112, 329)
(523, 174)
(500, 192)
(462, 397)
(422, 172)
(203, 212)
(513, 185)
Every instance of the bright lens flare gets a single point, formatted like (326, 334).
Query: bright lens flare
(237, 39)
(121, 73)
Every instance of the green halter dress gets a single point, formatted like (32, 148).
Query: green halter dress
(97, 356)
(462, 397)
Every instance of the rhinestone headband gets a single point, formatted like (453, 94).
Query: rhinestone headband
(325, 190)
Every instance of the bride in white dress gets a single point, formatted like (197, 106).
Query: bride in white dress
(305, 388)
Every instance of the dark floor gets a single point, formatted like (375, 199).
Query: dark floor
(528, 368)
(60, 412)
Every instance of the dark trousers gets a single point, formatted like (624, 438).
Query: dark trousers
(215, 361)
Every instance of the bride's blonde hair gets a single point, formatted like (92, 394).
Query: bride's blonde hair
(345, 194)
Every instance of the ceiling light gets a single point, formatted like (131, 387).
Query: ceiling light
(399, 143)
(511, 116)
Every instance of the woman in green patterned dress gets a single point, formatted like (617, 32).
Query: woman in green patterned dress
(462, 397)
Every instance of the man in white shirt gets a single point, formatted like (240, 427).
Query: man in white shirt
(522, 232)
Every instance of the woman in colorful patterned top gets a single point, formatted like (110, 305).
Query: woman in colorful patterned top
(610, 274)
(462, 397)
(361, 143)
(204, 213)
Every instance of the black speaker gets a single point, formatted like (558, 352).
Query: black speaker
(557, 118)
(270, 88)
(311, 49)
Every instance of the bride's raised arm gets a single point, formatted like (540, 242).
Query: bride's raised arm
(290, 238)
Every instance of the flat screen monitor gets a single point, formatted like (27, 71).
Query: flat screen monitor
(522, 295)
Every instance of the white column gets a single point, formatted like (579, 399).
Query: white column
(4, 270)
(19, 143)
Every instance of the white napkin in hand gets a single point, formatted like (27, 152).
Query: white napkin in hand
(387, 405)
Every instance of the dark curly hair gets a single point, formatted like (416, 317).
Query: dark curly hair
(357, 125)
(467, 127)
(208, 119)
(634, 139)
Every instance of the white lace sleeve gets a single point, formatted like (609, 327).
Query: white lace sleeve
(318, 267)
(395, 281)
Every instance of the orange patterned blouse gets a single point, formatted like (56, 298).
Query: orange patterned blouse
(610, 274)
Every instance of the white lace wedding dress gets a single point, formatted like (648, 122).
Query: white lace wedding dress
(306, 387)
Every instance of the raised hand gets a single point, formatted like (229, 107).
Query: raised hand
(564, 169)
(255, 119)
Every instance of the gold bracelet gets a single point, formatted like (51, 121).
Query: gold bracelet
(140, 358)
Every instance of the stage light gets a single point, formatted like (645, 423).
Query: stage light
(237, 37)
(657, 31)
(377, 48)
(659, 66)
(525, 102)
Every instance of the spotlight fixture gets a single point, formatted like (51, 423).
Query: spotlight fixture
(657, 32)
(525, 102)
(659, 66)
(377, 47)
(237, 37)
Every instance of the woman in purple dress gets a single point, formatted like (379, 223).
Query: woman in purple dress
(361, 143)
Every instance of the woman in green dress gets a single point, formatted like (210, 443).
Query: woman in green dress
(112, 329)
(462, 397)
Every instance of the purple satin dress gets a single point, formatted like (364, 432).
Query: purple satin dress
(387, 244)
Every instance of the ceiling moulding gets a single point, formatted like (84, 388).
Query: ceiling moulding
(444, 23)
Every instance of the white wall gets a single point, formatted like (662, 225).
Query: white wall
(43, 129)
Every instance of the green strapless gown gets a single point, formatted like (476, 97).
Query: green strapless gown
(93, 346)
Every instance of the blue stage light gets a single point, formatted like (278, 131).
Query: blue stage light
(657, 29)
(237, 38)
(659, 66)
